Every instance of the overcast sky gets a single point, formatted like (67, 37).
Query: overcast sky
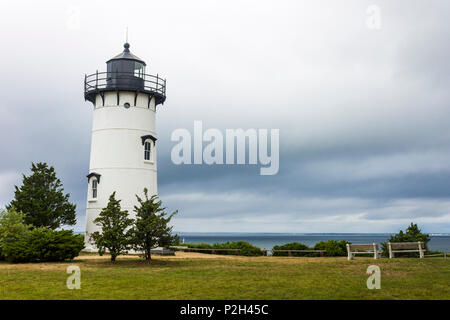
(363, 113)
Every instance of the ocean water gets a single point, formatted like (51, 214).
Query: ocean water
(438, 242)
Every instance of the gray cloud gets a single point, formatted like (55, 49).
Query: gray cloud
(363, 115)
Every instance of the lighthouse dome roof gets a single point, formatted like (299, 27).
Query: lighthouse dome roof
(126, 55)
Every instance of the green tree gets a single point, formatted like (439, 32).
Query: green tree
(151, 226)
(41, 199)
(412, 234)
(116, 234)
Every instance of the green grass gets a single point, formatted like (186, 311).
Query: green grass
(228, 278)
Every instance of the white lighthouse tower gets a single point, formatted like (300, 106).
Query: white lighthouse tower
(123, 143)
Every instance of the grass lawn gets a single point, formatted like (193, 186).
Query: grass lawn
(201, 276)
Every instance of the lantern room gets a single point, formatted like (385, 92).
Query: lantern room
(125, 72)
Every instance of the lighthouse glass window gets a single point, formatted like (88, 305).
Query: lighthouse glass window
(94, 188)
(147, 148)
(139, 70)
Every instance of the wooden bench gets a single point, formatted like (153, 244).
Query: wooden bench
(398, 247)
(353, 249)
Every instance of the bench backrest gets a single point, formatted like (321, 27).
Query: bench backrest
(362, 247)
(406, 245)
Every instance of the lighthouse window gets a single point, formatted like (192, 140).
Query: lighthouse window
(94, 188)
(147, 147)
(139, 70)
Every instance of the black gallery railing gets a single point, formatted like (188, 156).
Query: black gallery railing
(124, 81)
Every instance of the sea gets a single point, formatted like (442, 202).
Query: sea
(438, 242)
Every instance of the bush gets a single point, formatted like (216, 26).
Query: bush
(293, 246)
(333, 248)
(50, 245)
(19, 250)
(412, 234)
(20, 244)
(12, 231)
(246, 249)
(196, 245)
(42, 244)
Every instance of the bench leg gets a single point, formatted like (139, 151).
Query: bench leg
(349, 253)
(421, 253)
(391, 254)
(375, 251)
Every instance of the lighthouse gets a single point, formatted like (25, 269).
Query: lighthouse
(124, 139)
